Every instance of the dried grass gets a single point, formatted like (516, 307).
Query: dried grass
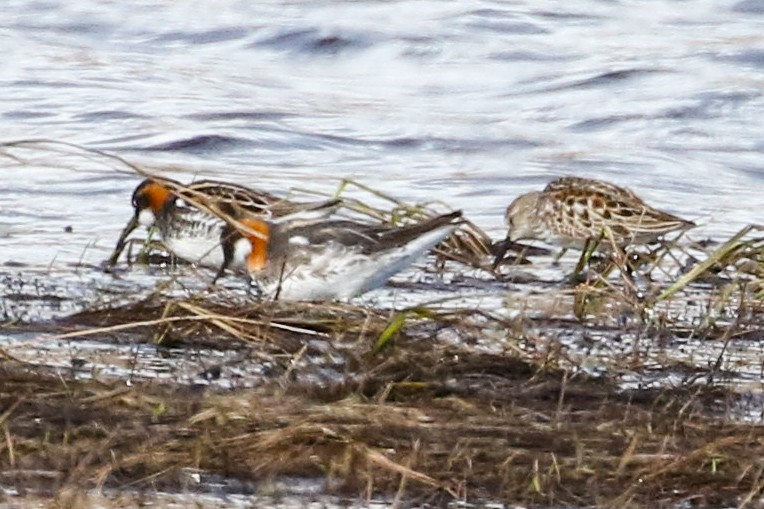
(454, 424)
(407, 416)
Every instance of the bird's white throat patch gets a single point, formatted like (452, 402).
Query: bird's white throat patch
(241, 251)
(146, 217)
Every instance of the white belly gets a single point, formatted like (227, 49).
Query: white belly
(197, 250)
(335, 275)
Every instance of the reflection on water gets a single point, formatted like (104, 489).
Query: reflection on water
(475, 104)
(470, 104)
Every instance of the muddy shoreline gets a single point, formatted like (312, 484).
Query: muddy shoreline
(636, 383)
(376, 403)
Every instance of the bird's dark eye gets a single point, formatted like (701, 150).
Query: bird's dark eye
(140, 201)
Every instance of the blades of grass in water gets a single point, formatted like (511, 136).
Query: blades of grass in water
(718, 256)
(397, 323)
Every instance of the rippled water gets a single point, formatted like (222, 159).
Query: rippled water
(471, 103)
(468, 103)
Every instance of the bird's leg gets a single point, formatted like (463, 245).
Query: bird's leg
(556, 260)
(502, 249)
(590, 247)
(220, 273)
(227, 259)
(226, 244)
(583, 260)
(577, 276)
(277, 293)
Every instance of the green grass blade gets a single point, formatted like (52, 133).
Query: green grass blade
(723, 252)
(396, 324)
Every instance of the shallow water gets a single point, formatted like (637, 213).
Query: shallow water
(468, 103)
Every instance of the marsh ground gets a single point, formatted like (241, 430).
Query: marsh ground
(449, 386)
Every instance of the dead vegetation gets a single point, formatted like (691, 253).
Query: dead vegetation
(428, 421)
(480, 428)
(429, 404)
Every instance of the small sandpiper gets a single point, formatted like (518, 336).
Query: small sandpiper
(574, 212)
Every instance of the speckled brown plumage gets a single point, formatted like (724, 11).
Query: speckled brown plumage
(571, 210)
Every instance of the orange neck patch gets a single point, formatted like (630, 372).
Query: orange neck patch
(158, 196)
(258, 258)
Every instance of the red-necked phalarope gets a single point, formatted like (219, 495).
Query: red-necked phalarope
(327, 260)
(188, 229)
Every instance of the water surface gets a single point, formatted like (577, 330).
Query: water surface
(469, 103)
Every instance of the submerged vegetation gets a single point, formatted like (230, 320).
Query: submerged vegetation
(624, 388)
